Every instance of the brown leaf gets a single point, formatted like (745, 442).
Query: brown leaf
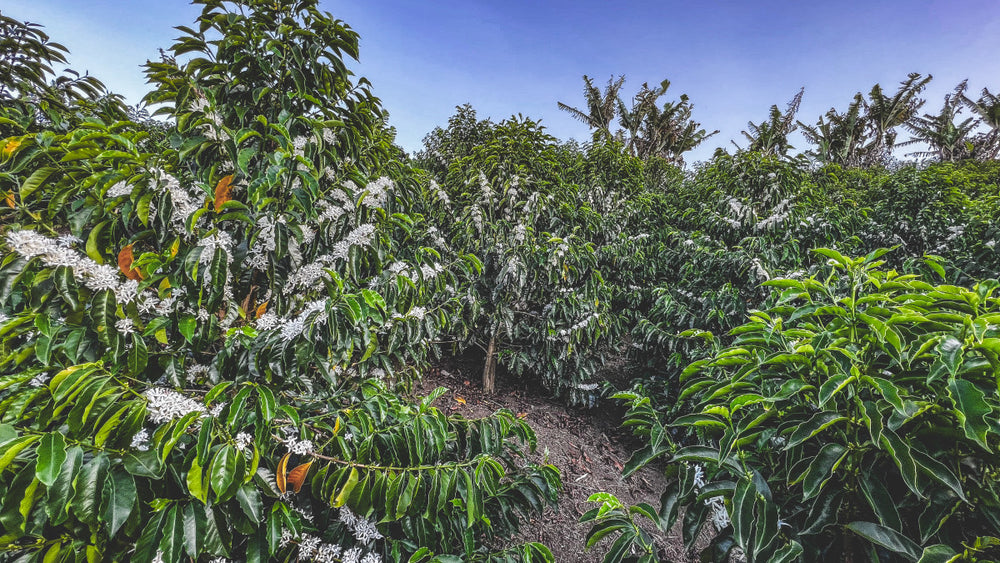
(11, 202)
(459, 399)
(297, 476)
(280, 473)
(125, 260)
(261, 309)
(223, 192)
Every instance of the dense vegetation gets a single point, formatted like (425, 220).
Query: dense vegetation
(209, 321)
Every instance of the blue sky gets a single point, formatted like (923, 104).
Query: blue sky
(734, 58)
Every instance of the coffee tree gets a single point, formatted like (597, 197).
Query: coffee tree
(852, 420)
(199, 343)
(537, 304)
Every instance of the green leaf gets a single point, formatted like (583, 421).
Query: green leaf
(93, 248)
(938, 553)
(34, 181)
(223, 470)
(345, 491)
(887, 538)
(195, 481)
(881, 501)
(137, 355)
(950, 350)
(51, 455)
(972, 410)
(90, 489)
(172, 542)
(822, 468)
(60, 495)
(194, 529)
(819, 422)
(250, 501)
(10, 449)
(118, 500)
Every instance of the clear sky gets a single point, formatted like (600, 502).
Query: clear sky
(734, 58)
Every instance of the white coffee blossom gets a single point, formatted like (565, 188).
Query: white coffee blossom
(68, 241)
(308, 276)
(430, 272)
(329, 212)
(352, 555)
(309, 546)
(242, 441)
(719, 516)
(439, 193)
(184, 204)
(127, 291)
(125, 326)
(365, 531)
(299, 146)
(267, 321)
(197, 372)
(296, 446)
(377, 193)
(362, 236)
(102, 276)
(39, 379)
(328, 553)
(118, 190)
(141, 440)
(166, 405)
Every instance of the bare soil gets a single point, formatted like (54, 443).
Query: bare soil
(587, 445)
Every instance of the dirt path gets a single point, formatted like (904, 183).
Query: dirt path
(587, 445)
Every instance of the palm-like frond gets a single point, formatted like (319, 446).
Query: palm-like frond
(771, 136)
(601, 106)
(948, 140)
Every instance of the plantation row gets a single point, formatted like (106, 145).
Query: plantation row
(208, 325)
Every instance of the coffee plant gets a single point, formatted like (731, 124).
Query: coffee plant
(852, 420)
(201, 338)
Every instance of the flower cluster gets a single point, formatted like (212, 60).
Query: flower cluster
(308, 276)
(377, 192)
(362, 236)
(184, 204)
(166, 405)
(56, 253)
(118, 190)
(719, 516)
(364, 530)
(294, 444)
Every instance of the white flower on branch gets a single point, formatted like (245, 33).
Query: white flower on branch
(125, 326)
(166, 405)
(377, 193)
(118, 190)
(141, 440)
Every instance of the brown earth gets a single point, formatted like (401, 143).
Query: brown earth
(587, 445)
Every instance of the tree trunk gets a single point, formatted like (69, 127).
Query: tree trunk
(490, 369)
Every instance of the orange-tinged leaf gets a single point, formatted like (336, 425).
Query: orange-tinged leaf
(11, 202)
(261, 309)
(297, 476)
(125, 260)
(175, 247)
(459, 399)
(223, 192)
(280, 473)
(11, 146)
